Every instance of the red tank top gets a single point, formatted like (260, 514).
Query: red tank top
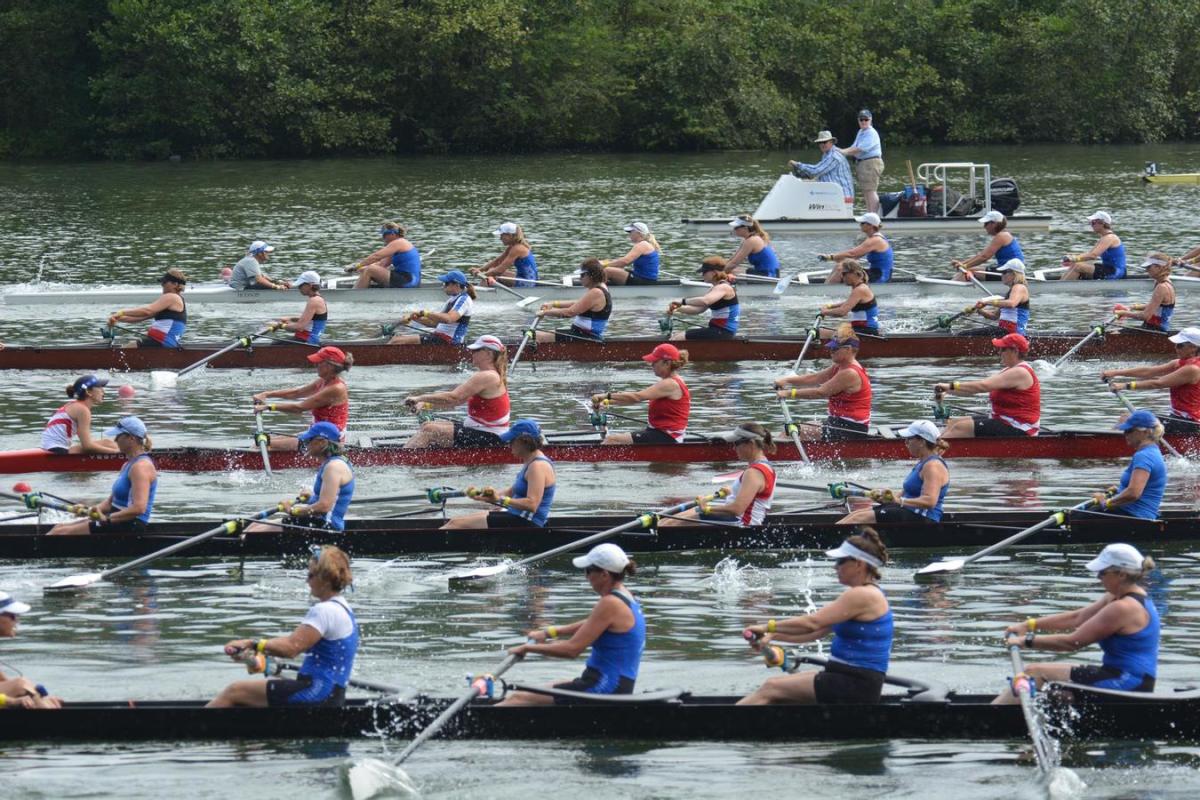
(339, 415)
(756, 512)
(671, 416)
(1021, 408)
(1185, 400)
(488, 414)
(855, 406)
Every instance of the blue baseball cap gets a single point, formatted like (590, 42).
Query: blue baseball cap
(454, 276)
(1142, 418)
(323, 430)
(526, 427)
(130, 425)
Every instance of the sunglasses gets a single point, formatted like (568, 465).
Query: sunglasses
(843, 560)
(590, 569)
(864, 119)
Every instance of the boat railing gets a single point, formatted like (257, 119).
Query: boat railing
(967, 172)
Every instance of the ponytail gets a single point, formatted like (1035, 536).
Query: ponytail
(867, 540)
(470, 291)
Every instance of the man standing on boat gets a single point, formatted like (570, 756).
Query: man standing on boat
(832, 168)
(248, 274)
(868, 151)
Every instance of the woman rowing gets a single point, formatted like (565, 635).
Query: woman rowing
(669, 400)
(74, 420)
(309, 326)
(1011, 312)
(450, 324)
(1014, 392)
(517, 255)
(721, 301)
(327, 636)
(1003, 246)
(1180, 377)
(1155, 313)
(755, 249)
(1144, 481)
(875, 247)
(169, 313)
(129, 504)
(1123, 622)
(923, 492)
(396, 265)
(860, 307)
(615, 630)
(327, 398)
(861, 623)
(332, 491)
(1105, 261)
(527, 502)
(19, 692)
(485, 394)
(751, 494)
(589, 314)
(845, 385)
(638, 267)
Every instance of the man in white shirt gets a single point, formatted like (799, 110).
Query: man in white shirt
(869, 151)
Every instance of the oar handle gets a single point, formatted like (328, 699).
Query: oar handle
(241, 341)
(34, 501)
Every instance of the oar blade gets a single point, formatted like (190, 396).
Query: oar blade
(783, 284)
(481, 574)
(942, 567)
(527, 302)
(74, 582)
(161, 379)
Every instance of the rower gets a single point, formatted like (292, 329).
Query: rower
(19, 692)
(1123, 622)
(1003, 246)
(755, 249)
(1014, 392)
(309, 326)
(923, 492)
(589, 314)
(328, 636)
(1109, 252)
(721, 301)
(451, 323)
(1180, 376)
(861, 623)
(1144, 481)
(333, 488)
(1156, 313)
(1011, 313)
(517, 255)
(485, 394)
(396, 265)
(670, 401)
(327, 398)
(875, 247)
(638, 267)
(247, 273)
(860, 307)
(752, 492)
(846, 386)
(527, 502)
(169, 313)
(128, 506)
(75, 420)
(615, 630)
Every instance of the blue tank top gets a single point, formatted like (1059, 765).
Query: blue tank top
(864, 644)
(1135, 653)
(913, 486)
(882, 262)
(521, 489)
(618, 655)
(1165, 312)
(122, 488)
(336, 516)
(316, 327)
(408, 263)
(1113, 260)
(864, 316)
(1008, 252)
(168, 326)
(764, 262)
(645, 266)
(725, 313)
(1014, 320)
(595, 322)
(1149, 458)
(526, 267)
(330, 661)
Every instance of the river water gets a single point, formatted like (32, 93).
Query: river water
(158, 635)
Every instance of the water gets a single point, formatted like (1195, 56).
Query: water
(159, 635)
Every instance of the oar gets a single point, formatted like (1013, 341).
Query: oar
(167, 379)
(1170, 448)
(436, 496)
(803, 277)
(1040, 274)
(249, 656)
(946, 322)
(260, 438)
(530, 335)
(35, 501)
(107, 331)
(971, 277)
(793, 430)
(1022, 686)
(524, 300)
(646, 520)
(1093, 333)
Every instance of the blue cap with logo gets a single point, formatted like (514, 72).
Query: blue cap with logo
(130, 425)
(323, 430)
(527, 427)
(1142, 418)
(454, 276)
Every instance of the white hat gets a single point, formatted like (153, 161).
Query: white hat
(1152, 261)
(1103, 216)
(738, 222)
(640, 227)
(824, 136)
(923, 428)
(1187, 336)
(869, 218)
(1121, 556)
(1013, 265)
(487, 342)
(259, 246)
(308, 276)
(992, 216)
(11, 605)
(740, 434)
(505, 227)
(607, 557)
(847, 550)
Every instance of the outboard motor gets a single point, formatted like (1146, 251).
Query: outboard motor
(1151, 168)
(1006, 198)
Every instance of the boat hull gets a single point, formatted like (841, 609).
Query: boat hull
(1178, 178)
(895, 226)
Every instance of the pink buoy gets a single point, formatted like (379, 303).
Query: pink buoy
(127, 391)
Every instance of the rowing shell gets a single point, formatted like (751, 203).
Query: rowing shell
(1177, 178)
(896, 226)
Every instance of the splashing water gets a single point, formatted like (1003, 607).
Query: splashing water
(370, 778)
(730, 579)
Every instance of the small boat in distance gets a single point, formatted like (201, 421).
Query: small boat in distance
(1152, 175)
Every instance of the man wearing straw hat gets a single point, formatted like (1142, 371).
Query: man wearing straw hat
(832, 168)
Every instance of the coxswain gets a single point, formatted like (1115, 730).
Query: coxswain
(169, 313)
(1105, 261)
(333, 488)
(19, 692)
(860, 307)
(516, 256)
(451, 323)
(131, 500)
(1144, 481)
(327, 398)
(528, 501)
(485, 394)
(638, 267)
(861, 623)
(874, 247)
(1123, 622)
(1003, 246)
(751, 494)
(1180, 377)
(1014, 392)
(754, 249)
(669, 400)
(1155, 313)
(396, 265)
(74, 420)
(844, 384)
(589, 314)
(247, 274)
(923, 492)
(1011, 312)
(721, 301)
(327, 637)
(309, 326)
(615, 630)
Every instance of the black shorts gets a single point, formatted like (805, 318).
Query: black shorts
(1178, 426)
(865, 331)
(280, 689)
(588, 680)
(473, 437)
(146, 341)
(1110, 678)
(653, 436)
(435, 338)
(634, 280)
(836, 429)
(401, 280)
(896, 513)
(58, 451)
(1102, 272)
(710, 332)
(573, 334)
(503, 519)
(843, 683)
(134, 525)
(987, 427)
(874, 275)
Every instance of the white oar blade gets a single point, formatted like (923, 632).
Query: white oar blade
(164, 380)
(527, 302)
(727, 477)
(483, 573)
(938, 567)
(370, 778)
(783, 284)
(74, 582)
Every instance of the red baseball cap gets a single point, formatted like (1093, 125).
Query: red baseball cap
(1012, 340)
(333, 354)
(664, 352)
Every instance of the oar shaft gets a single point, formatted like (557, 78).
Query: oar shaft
(357, 683)
(243, 341)
(1129, 407)
(430, 495)
(793, 430)
(1093, 333)
(1021, 685)
(813, 331)
(530, 335)
(260, 437)
(34, 501)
